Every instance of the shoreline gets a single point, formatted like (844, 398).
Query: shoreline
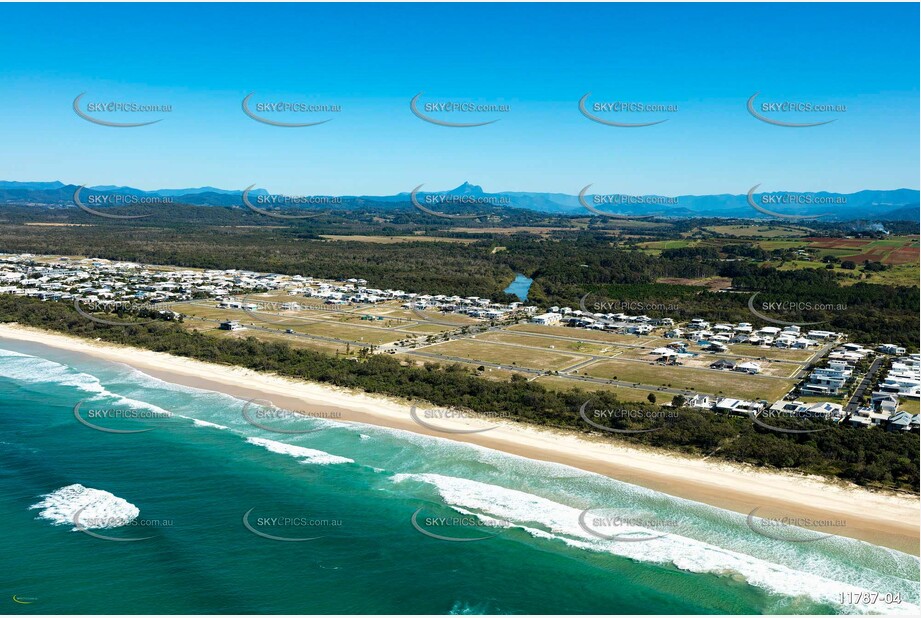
(877, 517)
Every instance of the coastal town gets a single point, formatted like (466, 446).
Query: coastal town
(744, 368)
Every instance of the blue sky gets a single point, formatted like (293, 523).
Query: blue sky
(538, 59)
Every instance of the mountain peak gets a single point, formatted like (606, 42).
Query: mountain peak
(468, 189)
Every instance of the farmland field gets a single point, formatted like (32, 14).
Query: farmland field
(759, 231)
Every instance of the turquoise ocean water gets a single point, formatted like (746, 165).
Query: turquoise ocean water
(208, 513)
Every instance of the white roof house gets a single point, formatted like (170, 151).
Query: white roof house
(748, 367)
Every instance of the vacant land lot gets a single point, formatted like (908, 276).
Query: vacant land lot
(797, 356)
(502, 354)
(550, 343)
(295, 342)
(622, 393)
(700, 380)
(581, 334)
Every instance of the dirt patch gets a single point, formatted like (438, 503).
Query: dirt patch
(712, 283)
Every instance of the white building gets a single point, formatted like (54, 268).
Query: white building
(547, 319)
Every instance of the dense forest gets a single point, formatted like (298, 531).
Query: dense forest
(873, 457)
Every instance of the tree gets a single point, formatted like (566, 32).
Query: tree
(848, 265)
(651, 397)
(678, 401)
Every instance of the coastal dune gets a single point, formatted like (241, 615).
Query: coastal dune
(881, 518)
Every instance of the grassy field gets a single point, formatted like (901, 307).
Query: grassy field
(755, 352)
(621, 392)
(580, 334)
(656, 247)
(901, 274)
(549, 343)
(504, 354)
(353, 333)
(295, 342)
(426, 328)
(325, 325)
(728, 383)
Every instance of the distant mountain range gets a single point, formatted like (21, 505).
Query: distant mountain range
(885, 205)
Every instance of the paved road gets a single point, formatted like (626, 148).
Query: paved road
(853, 404)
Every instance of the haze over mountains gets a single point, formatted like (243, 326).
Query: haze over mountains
(883, 205)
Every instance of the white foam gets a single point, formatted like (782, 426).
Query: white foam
(36, 370)
(544, 518)
(306, 455)
(97, 508)
(201, 423)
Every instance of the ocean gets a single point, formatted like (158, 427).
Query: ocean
(205, 508)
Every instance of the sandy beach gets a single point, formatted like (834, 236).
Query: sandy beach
(881, 518)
